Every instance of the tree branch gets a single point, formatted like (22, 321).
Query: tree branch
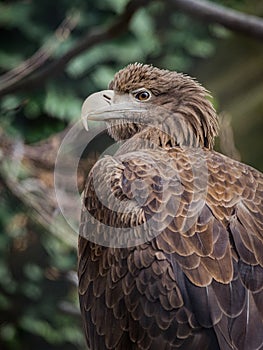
(231, 19)
(96, 36)
(37, 190)
(210, 12)
(41, 56)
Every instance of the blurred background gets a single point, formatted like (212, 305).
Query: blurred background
(52, 55)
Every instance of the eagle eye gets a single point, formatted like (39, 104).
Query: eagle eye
(142, 95)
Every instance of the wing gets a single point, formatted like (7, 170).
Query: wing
(221, 254)
(197, 283)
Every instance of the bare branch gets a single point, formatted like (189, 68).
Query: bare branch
(96, 36)
(210, 12)
(36, 191)
(41, 204)
(231, 19)
(42, 55)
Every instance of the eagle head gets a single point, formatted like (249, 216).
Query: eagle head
(169, 106)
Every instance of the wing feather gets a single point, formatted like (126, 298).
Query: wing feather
(199, 276)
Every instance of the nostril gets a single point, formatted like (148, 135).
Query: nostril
(107, 97)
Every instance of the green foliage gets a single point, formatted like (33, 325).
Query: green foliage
(35, 265)
(62, 104)
(173, 43)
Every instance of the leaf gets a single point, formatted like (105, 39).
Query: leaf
(103, 75)
(33, 272)
(201, 48)
(31, 290)
(116, 5)
(32, 109)
(85, 61)
(7, 332)
(61, 103)
(142, 25)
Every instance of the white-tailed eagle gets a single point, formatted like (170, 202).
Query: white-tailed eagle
(191, 273)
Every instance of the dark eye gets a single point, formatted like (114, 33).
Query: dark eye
(142, 95)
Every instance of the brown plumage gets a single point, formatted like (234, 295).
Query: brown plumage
(180, 226)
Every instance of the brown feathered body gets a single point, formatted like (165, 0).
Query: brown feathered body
(195, 281)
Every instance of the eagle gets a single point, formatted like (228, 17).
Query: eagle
(171, 231)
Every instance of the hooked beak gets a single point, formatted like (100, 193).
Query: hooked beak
(105, 106)
(95, 106)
